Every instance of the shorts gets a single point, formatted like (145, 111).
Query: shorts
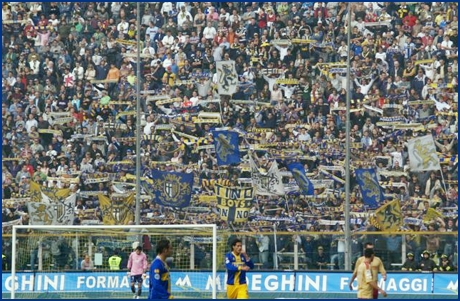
(137, 279)
(238, 291)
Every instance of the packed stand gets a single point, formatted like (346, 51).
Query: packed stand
(70, 81)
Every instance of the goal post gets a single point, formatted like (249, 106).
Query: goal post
(46, 260)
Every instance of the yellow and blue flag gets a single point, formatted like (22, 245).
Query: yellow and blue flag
(298, 172)
(370, 188)
(234, 204)
(172, 189)
(226, 145)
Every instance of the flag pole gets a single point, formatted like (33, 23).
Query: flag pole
(443, 181)
(138, 121)
(347, 155)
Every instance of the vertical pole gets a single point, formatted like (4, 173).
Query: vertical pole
(403, 248)
(296, 256)
(138, 122)
(275, 255)
(13, 263)
(214, 261)
(347, 156)
(192, 254)
(39, 255)
(77, 250)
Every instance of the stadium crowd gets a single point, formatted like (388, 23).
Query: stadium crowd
(69, 85)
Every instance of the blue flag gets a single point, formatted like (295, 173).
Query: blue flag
(370, 188)
(298, 172)
(172, 189)
(226, 144)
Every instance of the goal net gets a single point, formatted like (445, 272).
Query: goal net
(47, 261)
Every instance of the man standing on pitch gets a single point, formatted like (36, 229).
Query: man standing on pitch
(159, 277)
(366, 283)
(376, 267)
(137, 265)
(237, 264)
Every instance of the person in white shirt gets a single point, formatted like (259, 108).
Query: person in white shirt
(182, 16)
(123, 27)
(78, 71)
(151, 30)
(224, 16)
(364, 88)
(35, 65)
(148, 125)
(381, 55)
(11, 80)
(209, 32)
(166, 7)
(303, 135)
(168, 40)
(31, 122)
(69, 79)
(447, 45)
(53, 21)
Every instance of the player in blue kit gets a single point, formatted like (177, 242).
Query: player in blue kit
(237, 264)
(160, 279)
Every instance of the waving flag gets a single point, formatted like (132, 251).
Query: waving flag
(226, 145)
(172, 189)
(267, 183)
(370, 188)
(422, 154)
(52, 212)
(117, 210)
(388, 217)
(234, 203)
(227, 78)
(37, 192)
(298, 172)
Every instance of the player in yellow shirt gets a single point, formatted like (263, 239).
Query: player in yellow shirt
(366, 283)
(237, 264)
(376, 267)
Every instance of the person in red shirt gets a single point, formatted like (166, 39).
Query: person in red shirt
(410, 18)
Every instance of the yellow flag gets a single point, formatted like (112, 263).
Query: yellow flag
(54, 194)
(116, 211)
(35, 192)
(431, 214)
(388, 217)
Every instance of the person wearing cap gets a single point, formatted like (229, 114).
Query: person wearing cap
(320, 259)
(410, 264)
(445, 265)
(426, 263)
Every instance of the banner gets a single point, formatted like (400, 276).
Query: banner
(422, 154)
(258, 282)
(172, 189)
(116, 211)
(7, 227)
(267, 183)
(298, 172)
(370, 188)
(234, 204)
(226, 144)
(227, 78)
(389, 216)
(52, 212)
(445, 283)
